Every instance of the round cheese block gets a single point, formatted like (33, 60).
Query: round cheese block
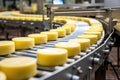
(21, 18)
(93, 38)
(97, 24)
(95, 28)
(72, 48)
(39, 38)
(2, 76)
(93, 33)
(70, 25)
(51, 56)
(28, 18)
(73, 26)
(16, 18)
(18, 68)
(68, 29)
(85, 20)
(85, 43)
(7, 47)
(61, 32)
(10, 18)
(23, 42)
(51, 35)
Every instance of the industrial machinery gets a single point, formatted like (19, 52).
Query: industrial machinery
(88, 65)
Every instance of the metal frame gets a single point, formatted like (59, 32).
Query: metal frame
(80, 69)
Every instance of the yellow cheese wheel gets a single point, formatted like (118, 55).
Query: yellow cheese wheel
(2, 76)
(95, 28)
(16, 18)
(61, 32)
(93, 33)
(18, 68)
(10, 18)
(21, 18)
(73, 26)
(93, 38)
(85, 20)
(51, 35)
(51, 56)
(29, 18)
(70, 25)
(72, 48)
(7, 47)
(39, 38)
(85, 43)
(68, 29)
(23, 42)
(98, 24)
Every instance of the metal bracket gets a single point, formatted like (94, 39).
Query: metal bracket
(46, 25)
(50, 14)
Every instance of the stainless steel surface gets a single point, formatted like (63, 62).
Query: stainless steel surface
(80, 11)
(78, 5)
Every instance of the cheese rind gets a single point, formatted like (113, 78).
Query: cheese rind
(51, 35)
(7, 47)
(18, 68)
(72, 48)
(85, 43)
(23, 42)
(51, 56)
(2, 76)
(39, 38)
(93, 38)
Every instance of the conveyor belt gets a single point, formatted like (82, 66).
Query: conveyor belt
(80, 29)
(55, 73)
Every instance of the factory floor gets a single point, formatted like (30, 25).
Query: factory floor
(110, 74)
